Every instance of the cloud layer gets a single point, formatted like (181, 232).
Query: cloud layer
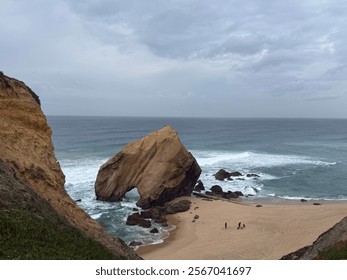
(179, 58)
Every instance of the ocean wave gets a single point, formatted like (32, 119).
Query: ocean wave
(249, 159)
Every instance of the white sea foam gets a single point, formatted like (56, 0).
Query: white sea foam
(249, 159)
(81, 174)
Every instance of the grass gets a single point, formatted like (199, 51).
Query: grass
(31, 229)
(24, 236)
(337, 252)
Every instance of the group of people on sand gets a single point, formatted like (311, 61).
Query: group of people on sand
(239, 226)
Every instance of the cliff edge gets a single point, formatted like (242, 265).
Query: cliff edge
(26, 148)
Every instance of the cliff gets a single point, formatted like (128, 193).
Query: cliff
(27, 150)
(158, 165)
(331, 244)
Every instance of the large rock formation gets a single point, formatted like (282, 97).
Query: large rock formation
(158, 165)
(26, 147)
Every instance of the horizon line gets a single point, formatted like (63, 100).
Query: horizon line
(197, 117)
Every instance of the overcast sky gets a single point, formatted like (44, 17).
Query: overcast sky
(200, 58)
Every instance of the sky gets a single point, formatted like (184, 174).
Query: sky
(183, 58)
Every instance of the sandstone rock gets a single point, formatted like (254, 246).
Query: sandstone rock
(26, 147)
(158, 165)
(180, 206)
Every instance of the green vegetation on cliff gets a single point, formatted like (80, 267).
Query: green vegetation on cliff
(337, 251)
(31, 229)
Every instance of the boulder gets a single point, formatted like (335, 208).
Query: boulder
(199, 186)
(238, 193)
(136, 220)
(158, 165)
(252, 175)
(221, 175)
(235, 174)
(217, 190)
(154, 230)
(180, 206)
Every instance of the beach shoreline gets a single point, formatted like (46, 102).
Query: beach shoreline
(271, 231)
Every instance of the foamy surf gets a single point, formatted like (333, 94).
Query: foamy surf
(81, 174)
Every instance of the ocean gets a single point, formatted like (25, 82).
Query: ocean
(295, 159)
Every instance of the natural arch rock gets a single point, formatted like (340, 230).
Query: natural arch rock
(158, 165)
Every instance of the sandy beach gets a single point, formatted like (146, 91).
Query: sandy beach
(270, 232)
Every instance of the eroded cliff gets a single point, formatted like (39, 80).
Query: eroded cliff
(26, 147)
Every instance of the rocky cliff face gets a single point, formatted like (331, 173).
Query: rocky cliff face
(335, 237)
(26, 147)
(158, 165)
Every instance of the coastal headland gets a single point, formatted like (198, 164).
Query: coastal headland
(271, 231)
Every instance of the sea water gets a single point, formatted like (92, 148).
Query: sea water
(294, 158)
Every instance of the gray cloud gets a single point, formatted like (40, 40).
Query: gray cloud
(179, 57)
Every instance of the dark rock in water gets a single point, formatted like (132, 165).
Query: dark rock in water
(216, 189)
(316, 203)
(221, 175)
(158, 165)
(199, 186)
(180, 206)
(146, 215)
(238, 193)
(135, 243)
(230, 194)
(157, 212)
(136, 220)
(135, 210)
(240, 179)
(196, 217)
(259, 205)
(235, 174)
(78, 200)
(161, 220)
(255, 189)
(252, 175)
(303, 200)
(154, 230)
